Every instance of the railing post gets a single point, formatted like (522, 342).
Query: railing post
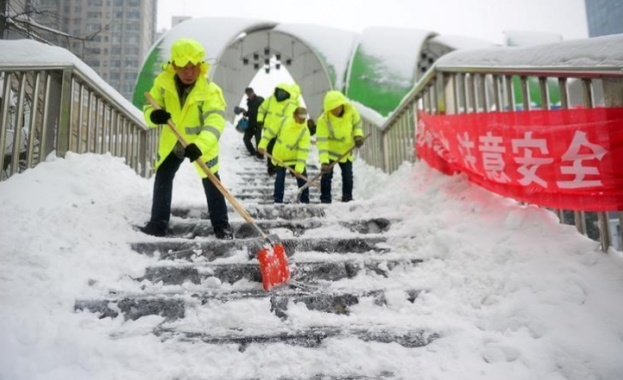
(445, 94)
(64, 114)
(4, 113)
(613, 97)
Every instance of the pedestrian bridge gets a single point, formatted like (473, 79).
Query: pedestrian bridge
(539, 124)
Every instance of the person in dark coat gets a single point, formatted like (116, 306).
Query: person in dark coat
(253, 103)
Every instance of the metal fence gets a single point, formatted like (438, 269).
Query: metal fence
(47, 109)
(470, 87)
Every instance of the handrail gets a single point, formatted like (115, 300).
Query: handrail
(578, 72)
(60, 108)
(110, 95)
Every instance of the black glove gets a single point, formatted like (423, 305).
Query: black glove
(311, 125)
(358, 141)
(324, 168)
(159, 116)
(260, 124)
(192, 152)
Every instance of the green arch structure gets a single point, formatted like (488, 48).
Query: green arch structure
(369, 71)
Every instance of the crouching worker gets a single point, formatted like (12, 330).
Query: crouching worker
(196, 106)
(291, 148)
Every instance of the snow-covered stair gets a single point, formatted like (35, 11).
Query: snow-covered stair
(208, 291)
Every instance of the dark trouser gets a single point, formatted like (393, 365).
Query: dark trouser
(216, 204)
(269, 149)
(252, 131)
(163, 190)
(280, 181)
(347, 183)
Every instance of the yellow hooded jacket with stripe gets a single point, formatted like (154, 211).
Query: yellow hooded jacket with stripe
(201, 120)
(293, 143)
(335, 134)
(272, 111)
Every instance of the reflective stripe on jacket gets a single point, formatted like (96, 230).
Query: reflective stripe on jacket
(293, 143)
(200, 120)
(335, 135)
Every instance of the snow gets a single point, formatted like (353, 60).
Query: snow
(528, 38)
(515, 294)
(37, 55)
(335, 45)
(589, 52)
(401, 64)
(215, 33)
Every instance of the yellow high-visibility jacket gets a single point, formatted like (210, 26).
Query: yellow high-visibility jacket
(293, 143)
(201, 120)
(271, 111)
(335, 135)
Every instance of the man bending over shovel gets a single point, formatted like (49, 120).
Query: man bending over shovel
(291, 150)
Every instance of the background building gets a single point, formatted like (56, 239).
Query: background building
(111, 36)
(604, 17)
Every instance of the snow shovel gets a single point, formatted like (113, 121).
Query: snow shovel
(317, 176)
(294, 172)
(272, 256)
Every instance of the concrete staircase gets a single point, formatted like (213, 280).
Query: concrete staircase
(197, 275)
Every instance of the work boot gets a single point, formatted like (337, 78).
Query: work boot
(224, 233)
(158, 229)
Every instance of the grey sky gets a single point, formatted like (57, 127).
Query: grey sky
(486, 19)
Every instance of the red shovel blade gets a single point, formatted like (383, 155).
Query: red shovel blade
(273, 266)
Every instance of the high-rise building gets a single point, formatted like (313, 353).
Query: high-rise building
(111, 36)
(604, 17)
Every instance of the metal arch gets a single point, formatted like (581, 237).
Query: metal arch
(311, 74)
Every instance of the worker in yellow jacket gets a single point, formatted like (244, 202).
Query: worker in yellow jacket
(273, 109)
(292, 146)
(197, 108)
(338, 129)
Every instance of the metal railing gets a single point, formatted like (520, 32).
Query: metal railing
(469, 87)
(48, 109)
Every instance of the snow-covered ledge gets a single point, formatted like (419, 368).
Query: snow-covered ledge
(602, 54)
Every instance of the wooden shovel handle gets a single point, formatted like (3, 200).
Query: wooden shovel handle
(315, 178)
(294, 172)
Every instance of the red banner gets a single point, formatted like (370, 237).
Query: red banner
(566, 159)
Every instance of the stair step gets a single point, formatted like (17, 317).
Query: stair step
(305, 272)
(243, 230)
(215, 248)
(287, 211)
(172, 307)
(269, 211)
(311, 337)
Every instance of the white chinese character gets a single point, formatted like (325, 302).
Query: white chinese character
(443, 145)
(579, 171)
(465, 148)
(529, 163)
(493, 157)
